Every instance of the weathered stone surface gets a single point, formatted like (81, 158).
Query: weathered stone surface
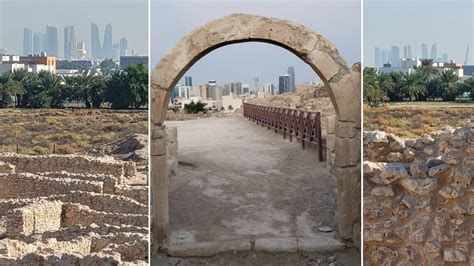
(394, 171)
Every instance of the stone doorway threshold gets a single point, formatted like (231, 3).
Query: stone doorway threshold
(322, 243)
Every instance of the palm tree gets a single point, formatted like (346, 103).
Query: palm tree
(414, 85)
(374, 95)
(468, 86)
(448, 90)
(53, 86)
(9, 89)
(397, 91)
(427, 68)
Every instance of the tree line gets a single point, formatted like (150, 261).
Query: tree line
(425, 83)
(120, 90)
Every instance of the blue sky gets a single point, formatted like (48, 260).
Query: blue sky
(129, 19)
(448, 23)
(337, 20)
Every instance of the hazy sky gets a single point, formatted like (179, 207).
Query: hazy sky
(448, 23)
(129, 19)
(337, 20)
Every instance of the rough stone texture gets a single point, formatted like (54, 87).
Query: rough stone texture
(72, 210)
(343, 86)
(419, 207)
(172, 150)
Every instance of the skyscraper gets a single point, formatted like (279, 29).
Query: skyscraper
(377, 58)
(407, 51)
(108, 51)
(385, 57)
(424, 51)
(236, 88)
(445, 58)
(27, 41)
(292, 82)
(96, 50)
(69, 42)
(51, 41)
(257, 83)
(395, 55)
(123, 47)
(188, 80)
(433, 52)
(283, 84)
(38, 41)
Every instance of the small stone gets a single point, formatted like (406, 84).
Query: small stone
(439, 169)
(453, 255)
(325, 229)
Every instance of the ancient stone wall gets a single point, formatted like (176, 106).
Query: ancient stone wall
(36, 217)
(70, 163)
(419, 198)
(6, 168)
(172, 150)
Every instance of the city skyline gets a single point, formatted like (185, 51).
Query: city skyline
(245, 60)
(127, 19)
(447, 25)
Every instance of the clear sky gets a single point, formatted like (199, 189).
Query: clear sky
(448, 23)
(337, 20)
(129, 19)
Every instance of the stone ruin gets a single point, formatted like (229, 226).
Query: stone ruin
(71, 210)
(419, 198)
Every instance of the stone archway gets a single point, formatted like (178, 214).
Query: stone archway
(343, 85)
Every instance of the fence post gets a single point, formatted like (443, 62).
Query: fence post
(17, 148)
(54, 148)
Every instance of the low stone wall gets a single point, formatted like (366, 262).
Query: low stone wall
(104, 202)
(419, 198)
(109, 181)
(37, 217)
(74, 213)
(172, 150)
(70, 163)
(138, 193)
(6, 168)
(36, 258)
(31, 186)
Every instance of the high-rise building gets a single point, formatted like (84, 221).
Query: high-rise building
(395, 55)
(407, 51)
(245, 88)
(226, 90)
(284, 84)
(108, 51)
(268, 88)
(27, 41)
(81, 51)
(377, 58)
(236, 88)
(256, 83)
(38, 43)
(96, 49)
(433, 52)
(385, 57)
(51, 41)
(124, 46)
(214, 91)
(70, 43)
(445, 57)
(188, 80)
(424, 51)
(292, 81)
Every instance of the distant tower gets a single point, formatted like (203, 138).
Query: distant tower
(407, 51)
(69, 42)
(38, 43)
(433, 52)
(27, 41)
(81, 50)
(96, 50)
(385, 57)
(188, 81)
(257, 83)
(377, 58)
(284, 84)
(424, 51)
(123, 46)
(467, 55)
(108, 51)
(445, 58)
(291, 74)
(51, 41)
(395, 55)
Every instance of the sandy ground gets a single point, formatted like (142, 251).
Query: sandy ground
(237, 180)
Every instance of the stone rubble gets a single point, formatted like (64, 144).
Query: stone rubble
(71, 210)
(419, 198)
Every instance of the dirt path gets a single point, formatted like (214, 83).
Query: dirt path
(237, 180)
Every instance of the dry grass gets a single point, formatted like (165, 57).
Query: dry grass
(36, 131)
(416, 120)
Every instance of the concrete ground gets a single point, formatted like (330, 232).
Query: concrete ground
(245, 192)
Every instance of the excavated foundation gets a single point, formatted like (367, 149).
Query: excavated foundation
(71, 210)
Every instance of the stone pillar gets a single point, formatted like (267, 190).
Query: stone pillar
(330, 140)
(159, 184)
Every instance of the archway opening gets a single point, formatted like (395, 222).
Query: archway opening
(235, 179)
(343, 87)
